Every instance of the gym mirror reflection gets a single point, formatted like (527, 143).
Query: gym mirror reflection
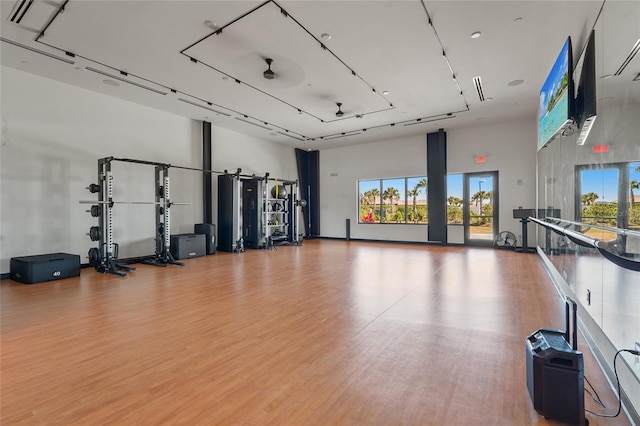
(596, 187)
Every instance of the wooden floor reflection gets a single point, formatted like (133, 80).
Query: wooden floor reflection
(332, 332)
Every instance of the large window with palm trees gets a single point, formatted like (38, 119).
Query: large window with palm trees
(634, 197)
(454, 199)
(608, 195)
(397, 200)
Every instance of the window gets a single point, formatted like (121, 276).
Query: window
(634, 197)
(454, 199)
(417, 200)
(369, 202)
(397, 200)
(608, 195)
(393, 207)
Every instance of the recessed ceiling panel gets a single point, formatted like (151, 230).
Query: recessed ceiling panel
(139, 37)
(402, 55)
(307, 76)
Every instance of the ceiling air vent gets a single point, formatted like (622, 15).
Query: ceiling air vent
(630, 56)
(477, 82)
(19, 10)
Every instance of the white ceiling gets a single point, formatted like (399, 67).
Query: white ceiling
(205, 60)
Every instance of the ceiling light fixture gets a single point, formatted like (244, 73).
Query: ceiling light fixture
(133, 83)
(515, 82)
(23, 46)
(476, 34)
(634, 51)
(291, 136)
(326, 36)
(386, 92)
(339, 113)
(268, 74)
(253, 124)
(204, 107)
(212, 25)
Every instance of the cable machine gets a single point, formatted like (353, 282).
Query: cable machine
(230, 212)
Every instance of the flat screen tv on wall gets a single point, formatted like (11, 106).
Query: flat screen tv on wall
(556, 98)
(585, 102)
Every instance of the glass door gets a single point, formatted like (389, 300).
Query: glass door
(480, 208)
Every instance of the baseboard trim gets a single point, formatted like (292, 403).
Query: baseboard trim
(371, 240)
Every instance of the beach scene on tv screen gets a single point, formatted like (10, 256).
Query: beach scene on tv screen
(554, 98)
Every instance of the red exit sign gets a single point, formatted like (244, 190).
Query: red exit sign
(600, 149)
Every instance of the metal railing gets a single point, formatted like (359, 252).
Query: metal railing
(583, 240)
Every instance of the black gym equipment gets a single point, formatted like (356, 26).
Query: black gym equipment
(229, 213)
(186, 246)
(103, 258)
(209, 231)
(279, 191)
(252, 204)
(44, 267)
(163, 255)
(96, 210)
(555, 371)
(94, 256)
(95, 233)
(282, 223)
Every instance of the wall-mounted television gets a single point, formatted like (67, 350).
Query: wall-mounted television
(585, 78)
(555, 111)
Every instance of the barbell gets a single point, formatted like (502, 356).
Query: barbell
(132, 202)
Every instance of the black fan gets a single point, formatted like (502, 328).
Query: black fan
(269, 74)
(505, 240)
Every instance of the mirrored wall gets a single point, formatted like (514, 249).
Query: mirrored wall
(594, 188)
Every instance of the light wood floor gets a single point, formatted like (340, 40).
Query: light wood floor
(329, 333)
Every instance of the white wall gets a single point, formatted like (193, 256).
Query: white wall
(52, 136)
(231, 150)
(339, 194)
(509, 148)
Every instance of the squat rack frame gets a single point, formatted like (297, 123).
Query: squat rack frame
(105, 255)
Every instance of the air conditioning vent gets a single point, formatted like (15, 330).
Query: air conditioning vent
(477, 82)
(19, 10)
